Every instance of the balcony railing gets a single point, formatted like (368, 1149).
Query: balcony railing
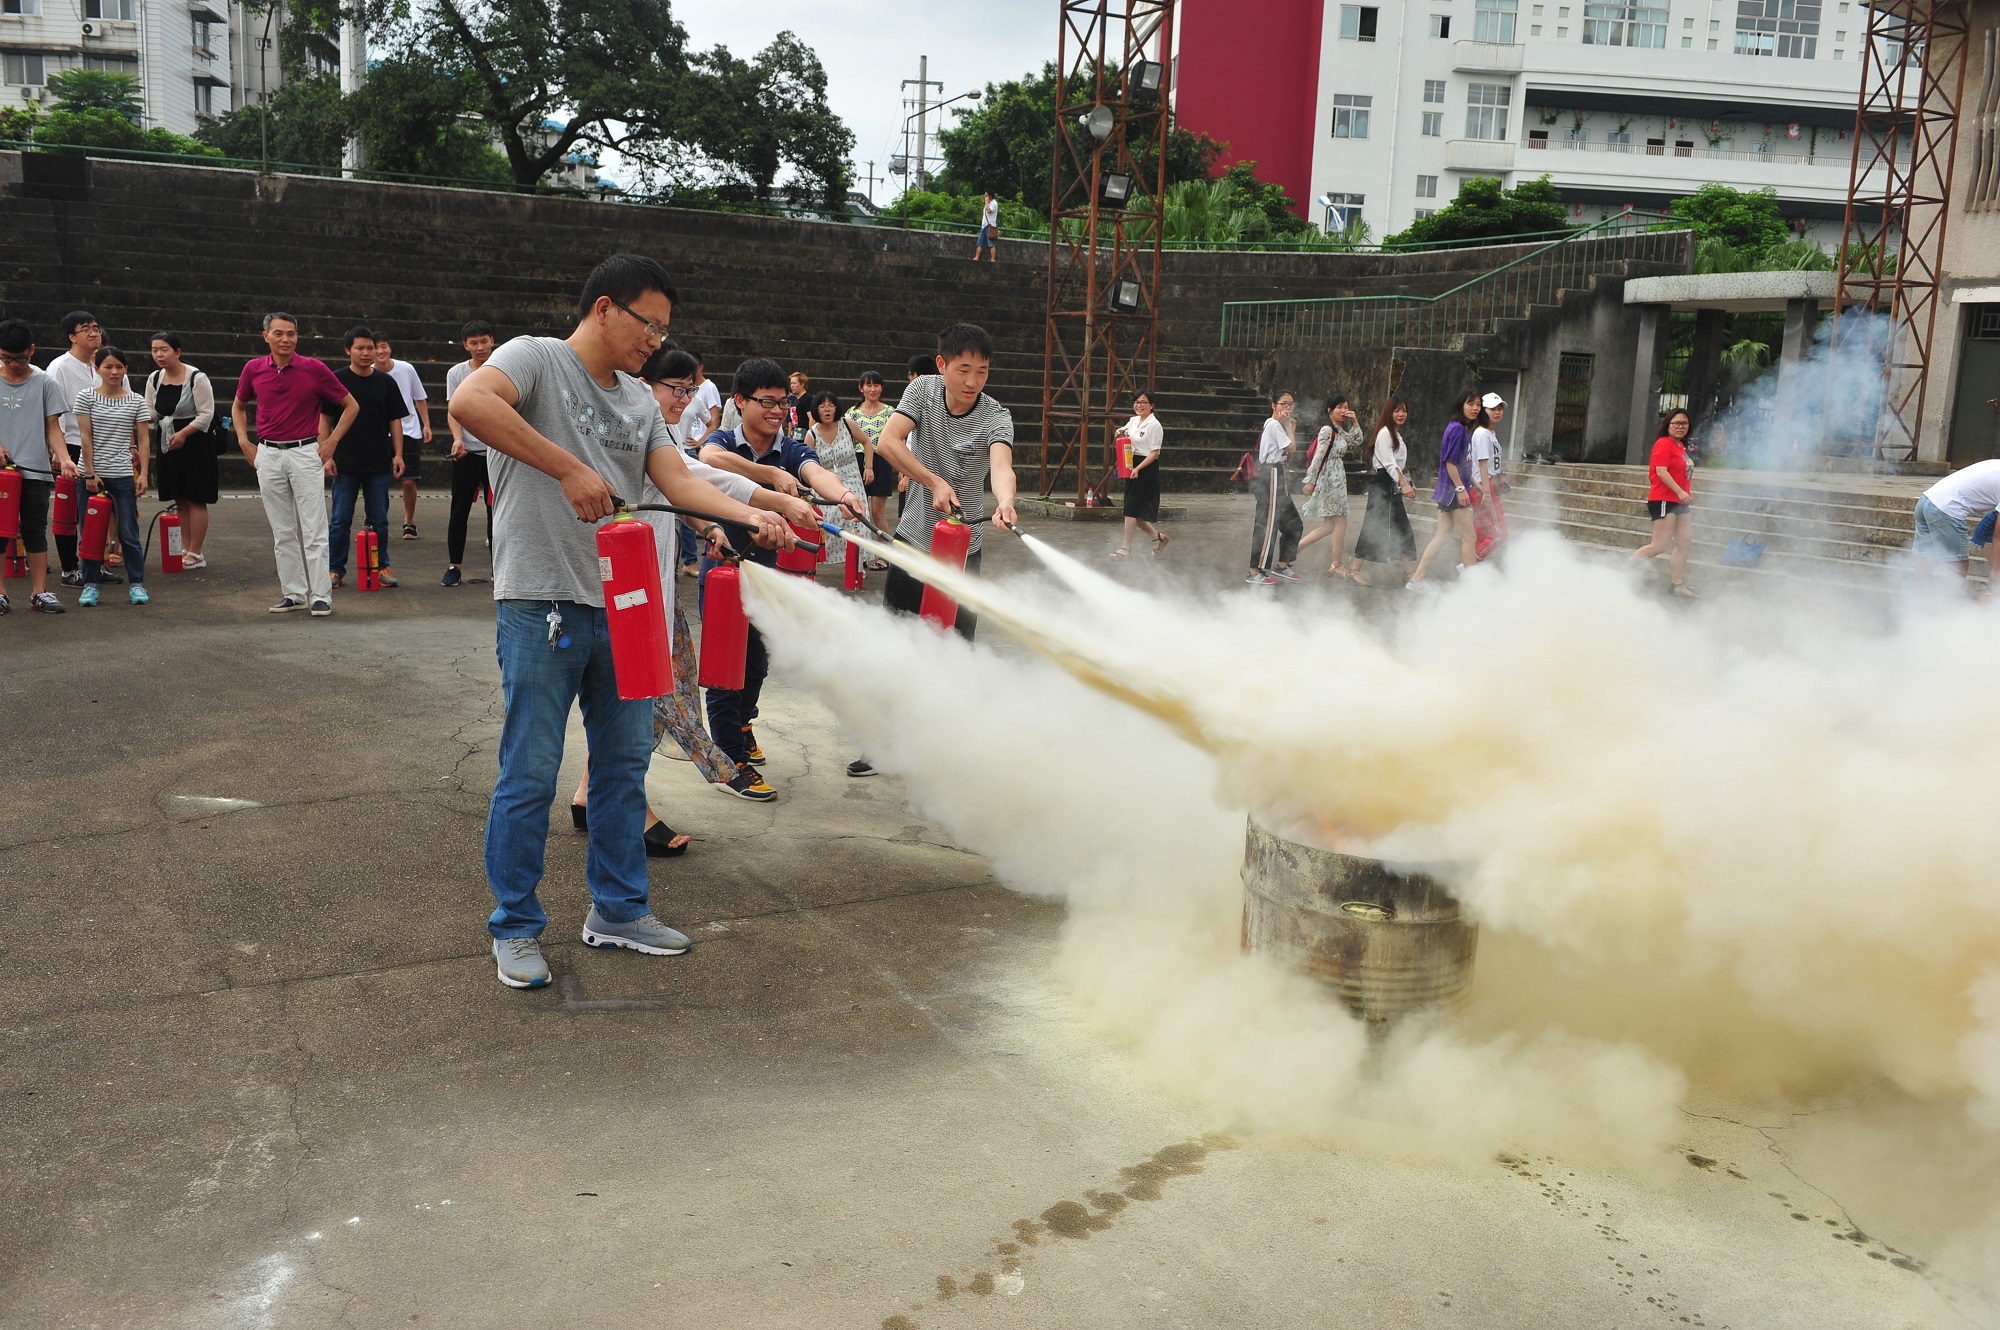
(1487, 57)
(1442, 321)
(1478, 155)
(1803, 156)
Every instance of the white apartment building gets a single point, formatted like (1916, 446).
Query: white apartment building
(179, 50)
(1617, 103)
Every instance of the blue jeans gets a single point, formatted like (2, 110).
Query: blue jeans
(538, 683)
(690, 544)
(123, 492)
(374, 488)
(1939, 534)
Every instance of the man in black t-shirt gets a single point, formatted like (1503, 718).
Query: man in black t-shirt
(368, 457)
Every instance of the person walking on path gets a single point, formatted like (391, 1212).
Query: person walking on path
(73, 371)
(878, 478)
(416, 428)
(1386, 536)
(116, 460)
(292, 456)
(1274, 537)
(1142, 491)
(469, 481)
(838, 443)
(181, 402)
(371, 456)
(1452, 493)
(988, 242)
(1326, 482)
(1489, 517)
(1668, 497)
(31, 438)
(567, 427)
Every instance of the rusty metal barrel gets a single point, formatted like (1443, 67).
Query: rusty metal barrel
(1385, 941)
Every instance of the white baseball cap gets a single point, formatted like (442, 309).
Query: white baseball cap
(1492, 400)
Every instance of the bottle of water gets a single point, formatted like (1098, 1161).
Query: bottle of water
(1090, 497)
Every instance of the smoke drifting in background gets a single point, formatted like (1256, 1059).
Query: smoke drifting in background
(1835, 398)
(1747, 850)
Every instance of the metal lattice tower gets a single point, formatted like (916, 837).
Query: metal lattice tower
(1898, 192)
(1102, 337)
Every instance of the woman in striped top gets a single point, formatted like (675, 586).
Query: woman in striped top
(112, 423)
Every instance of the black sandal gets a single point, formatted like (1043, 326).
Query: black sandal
(660, 842)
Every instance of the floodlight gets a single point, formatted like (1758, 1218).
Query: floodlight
(1143, 83)
(1123, 297)
(1114, 190)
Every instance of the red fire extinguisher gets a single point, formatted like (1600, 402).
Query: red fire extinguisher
(635, 608)
(1125, 471)
(725, 631)
(10, 503)
(951, 541)
(851, 579)
(171, 552)
(367, 561)
(96, 528)
(802, 561)
(64, 518)
(17, 558)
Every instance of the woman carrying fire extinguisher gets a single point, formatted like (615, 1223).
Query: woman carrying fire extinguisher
(181, 401)
(111, 420)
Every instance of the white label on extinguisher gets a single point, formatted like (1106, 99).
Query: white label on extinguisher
(174, 541)
(628, 599)
(604, 567)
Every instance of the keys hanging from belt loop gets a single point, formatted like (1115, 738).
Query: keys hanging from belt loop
(557, 637)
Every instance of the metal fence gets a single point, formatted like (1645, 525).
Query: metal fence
(1440, 321)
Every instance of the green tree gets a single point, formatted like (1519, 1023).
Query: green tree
(1007, 144)
(1743, 219)
(306, 123)
(98, 110)
(759, 115)
(17, 123)
(1483, 210)
(409, 119)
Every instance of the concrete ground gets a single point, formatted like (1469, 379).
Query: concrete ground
(257, 1071)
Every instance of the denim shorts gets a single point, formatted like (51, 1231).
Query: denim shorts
(1940, 535)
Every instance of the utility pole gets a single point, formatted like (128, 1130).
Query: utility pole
(871, 184)
(914, 166)
(353, 73)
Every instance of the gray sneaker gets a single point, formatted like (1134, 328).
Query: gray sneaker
(521, 963)
(645, 934)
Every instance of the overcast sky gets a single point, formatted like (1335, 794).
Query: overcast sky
(871, 46)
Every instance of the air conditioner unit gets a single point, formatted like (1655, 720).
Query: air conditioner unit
(90, 29)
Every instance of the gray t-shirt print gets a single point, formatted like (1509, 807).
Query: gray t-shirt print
(540, 550)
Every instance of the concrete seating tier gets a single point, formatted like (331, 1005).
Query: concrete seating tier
(1834, 528)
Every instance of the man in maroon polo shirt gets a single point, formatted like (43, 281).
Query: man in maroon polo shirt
(292, 457)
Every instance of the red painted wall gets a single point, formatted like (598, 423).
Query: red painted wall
(1248, 76)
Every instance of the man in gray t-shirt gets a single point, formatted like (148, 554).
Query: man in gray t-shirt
(566, 427)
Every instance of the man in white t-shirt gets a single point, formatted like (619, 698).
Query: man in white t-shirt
(74, 371)
(989, 230)
(469, 479)
(1947, 511)
(416, 428)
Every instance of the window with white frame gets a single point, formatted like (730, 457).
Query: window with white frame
(1422, 213)
(1493, 20)
(1342, 211)
(112, 64)
(1427, 186)
(1577, 137)
(125, 10)
(1617, 140)
(1434, 91)
(1433, 126)
(204, 99)
(1625, 24)
(1357, 23)
(23, 7)
(1440, 25)
(1486, 110)
(1350, 115)
(1788, 29)
(24, 67)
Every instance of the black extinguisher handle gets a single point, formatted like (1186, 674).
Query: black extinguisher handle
(679, 511)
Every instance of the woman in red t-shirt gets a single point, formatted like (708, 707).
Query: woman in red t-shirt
(1667, 499)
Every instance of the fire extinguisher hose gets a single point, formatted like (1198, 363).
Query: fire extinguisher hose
(679, 511)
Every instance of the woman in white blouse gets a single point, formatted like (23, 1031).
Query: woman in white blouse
(1142, 491)
(1386, 536)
